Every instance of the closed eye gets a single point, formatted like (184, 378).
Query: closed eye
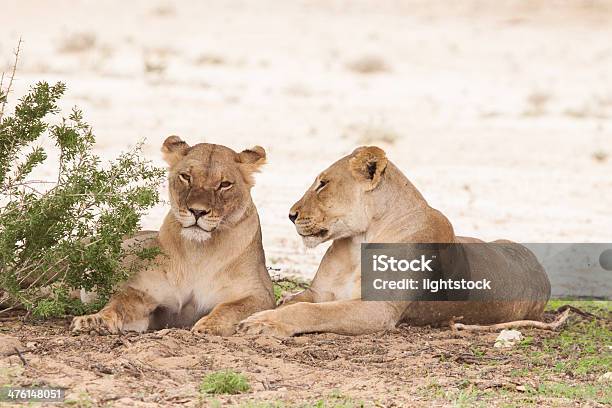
(224, 185)
(185, 177)
(321, 185)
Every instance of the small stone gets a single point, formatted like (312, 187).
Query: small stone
(521, 388)
(605, 377)
(508, 338)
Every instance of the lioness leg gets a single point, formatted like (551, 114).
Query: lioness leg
(342, 317)
(128, 309)
(224, 317)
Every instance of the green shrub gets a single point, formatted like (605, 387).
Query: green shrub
(64, 234)
(224, 382)
(287, 285)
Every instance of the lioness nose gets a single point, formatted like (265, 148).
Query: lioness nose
(197, 213)
(293, 217)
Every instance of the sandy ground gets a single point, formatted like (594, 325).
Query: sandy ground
(416, 367)
(499, 112)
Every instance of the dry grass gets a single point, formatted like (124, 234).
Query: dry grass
(600, 156)
(368, 64)
(587, 111)
(164, 10)
(537, 103)
(77, 43)
(209, 59)
(372, 133)
(156, 59)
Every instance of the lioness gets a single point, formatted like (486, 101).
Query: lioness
(363, 197)
(212, 262)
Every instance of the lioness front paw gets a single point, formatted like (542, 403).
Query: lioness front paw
(209, 326)
(94, 323)
(267, 323)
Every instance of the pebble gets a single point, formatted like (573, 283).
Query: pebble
(605, 377)
(508, 338)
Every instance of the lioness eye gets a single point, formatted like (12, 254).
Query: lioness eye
(322, 184)
(225, 184)
(185, 177)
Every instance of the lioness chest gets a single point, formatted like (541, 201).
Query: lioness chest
(340, 271)
(188, 288)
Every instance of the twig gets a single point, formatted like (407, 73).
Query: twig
(559, 321)
(23, 360)
(577, 311)
(11, 78)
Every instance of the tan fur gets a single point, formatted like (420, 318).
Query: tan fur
(212, 268)
(363, 197)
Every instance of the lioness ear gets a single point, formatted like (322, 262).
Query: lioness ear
(368, 164)
(173, 149)
(251, 160)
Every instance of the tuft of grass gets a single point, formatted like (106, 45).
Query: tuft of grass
(225, 382)
(164, 10)
(597, 307)
(537, 103)
(600, 156)
(209, 59)
(373, 132)
(78, 42)
(368, 64)
(582, 392)
(83, 400)
(282, 286)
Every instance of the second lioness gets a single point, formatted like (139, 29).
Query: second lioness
(363, 197)
(212, 268)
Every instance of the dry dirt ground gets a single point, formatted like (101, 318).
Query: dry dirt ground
(405, 367)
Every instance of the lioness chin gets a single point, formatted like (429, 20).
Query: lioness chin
(361, 198)
(212, 268)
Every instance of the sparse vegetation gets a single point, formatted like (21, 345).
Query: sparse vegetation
(77, 43)
(287, 285)
(368, 64)
(225, 382)
(537, 103)
(600, 156)
(209, 59)
(65, 233)
(551, 369)
(164, 10)
(373, 132)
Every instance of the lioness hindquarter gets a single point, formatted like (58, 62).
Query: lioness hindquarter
(211, 273)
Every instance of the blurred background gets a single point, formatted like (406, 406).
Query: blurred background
(499, 112)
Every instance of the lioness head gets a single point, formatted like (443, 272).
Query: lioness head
(209, 185)
(334, 207)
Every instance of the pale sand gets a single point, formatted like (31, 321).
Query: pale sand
(496, 113)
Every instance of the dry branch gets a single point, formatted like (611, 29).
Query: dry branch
(11, 78)
(559, 321)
